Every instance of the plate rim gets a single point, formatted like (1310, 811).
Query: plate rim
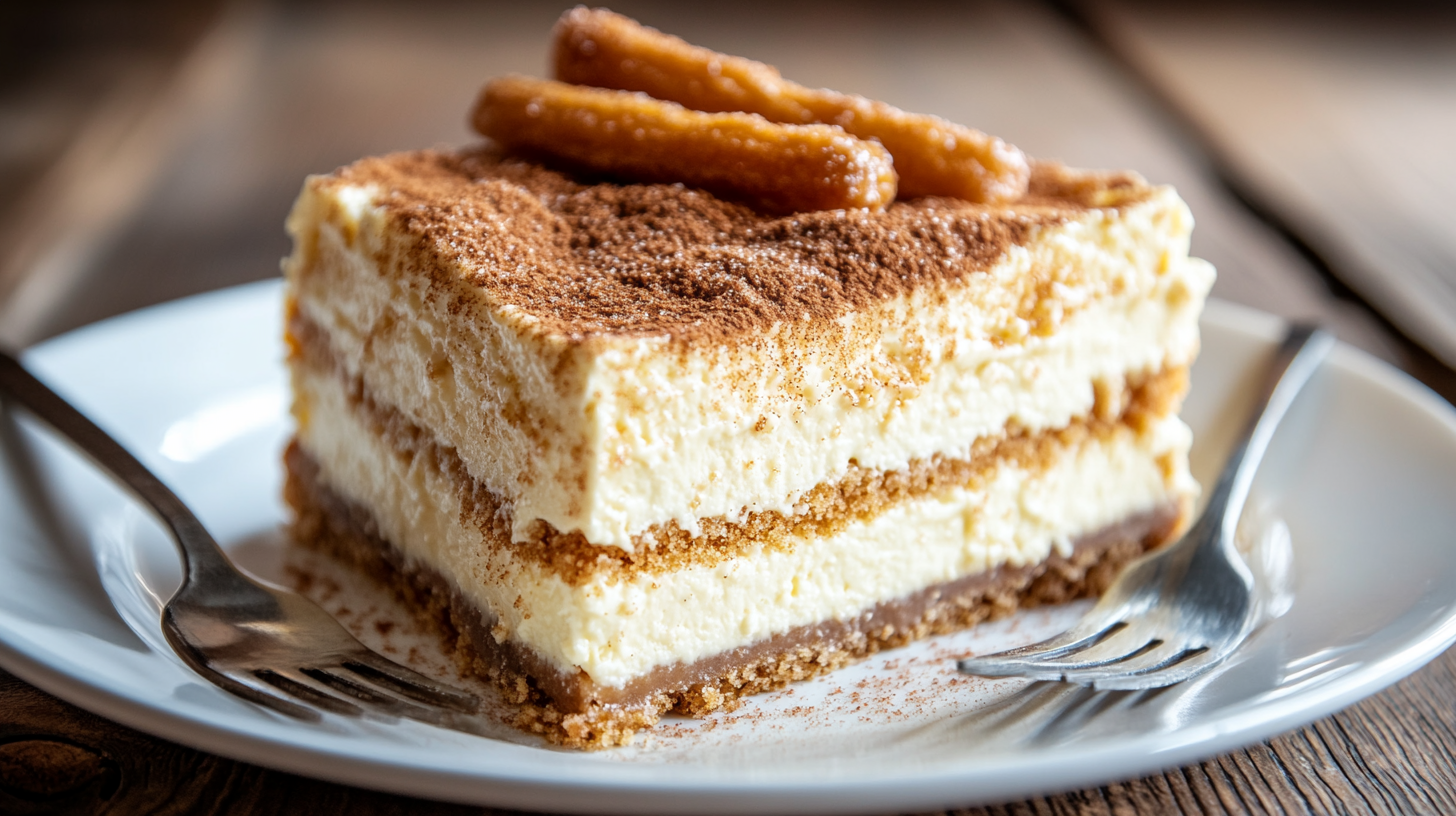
(943, 784)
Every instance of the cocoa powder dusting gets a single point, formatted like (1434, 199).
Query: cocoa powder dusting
(590, 257)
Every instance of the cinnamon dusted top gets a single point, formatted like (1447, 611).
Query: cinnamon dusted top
(593, 257)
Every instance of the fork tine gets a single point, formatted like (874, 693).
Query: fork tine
(374, 699)
(1174, 671)
(258, 696)
(1059, 669)
(1123, 643)
(296, 684)
(1070, 642)
(384, 672)
(1109, 660)
(1160, 656)
(1197, 587)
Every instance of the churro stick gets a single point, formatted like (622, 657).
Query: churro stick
(778, 168)
(932, 156)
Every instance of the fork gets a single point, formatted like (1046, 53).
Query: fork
(263, 643)
(1177, 612)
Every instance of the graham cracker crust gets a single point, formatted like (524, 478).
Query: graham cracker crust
(569, 709)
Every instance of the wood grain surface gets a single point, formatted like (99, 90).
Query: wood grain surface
(1340, 120)
(299, 88)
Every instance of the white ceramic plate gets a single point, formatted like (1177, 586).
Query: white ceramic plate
(1363, 472)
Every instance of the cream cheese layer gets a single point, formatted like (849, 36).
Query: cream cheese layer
(617, 626)
(617, 434)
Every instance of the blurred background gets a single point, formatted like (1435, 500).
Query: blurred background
(150, 150)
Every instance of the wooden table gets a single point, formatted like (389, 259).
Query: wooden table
(216, 145)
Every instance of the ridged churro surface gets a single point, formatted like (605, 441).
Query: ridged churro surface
(776, 168)
(932, 156)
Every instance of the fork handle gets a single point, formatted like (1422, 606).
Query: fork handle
(1295, 360)
(200, 553)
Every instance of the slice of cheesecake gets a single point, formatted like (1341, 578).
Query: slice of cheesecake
(636, 449)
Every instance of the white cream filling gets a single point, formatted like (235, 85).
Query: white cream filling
(614, 437)
(616, 630)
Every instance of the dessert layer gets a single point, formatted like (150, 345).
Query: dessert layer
(616, 625)
(608, 358)
(860, 495)
(348, 531)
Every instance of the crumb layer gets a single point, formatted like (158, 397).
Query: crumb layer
(858, 496)
(569, 709)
